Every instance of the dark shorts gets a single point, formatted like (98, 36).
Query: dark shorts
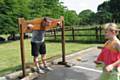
(38, 48)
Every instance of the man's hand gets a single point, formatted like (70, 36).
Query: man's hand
(59, 24)
(30, 26)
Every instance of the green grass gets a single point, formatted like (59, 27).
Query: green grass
(10, 59)
(10, 53)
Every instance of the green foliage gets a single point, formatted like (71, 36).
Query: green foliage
(112, 9)
(71, 18)
(103, 17)
(37, 8)
(11, 10)
(6, 16)
(104, 6)
(115, 9)
(86, 17)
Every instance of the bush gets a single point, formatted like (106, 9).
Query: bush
(2, 39)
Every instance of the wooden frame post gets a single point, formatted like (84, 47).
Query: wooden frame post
(63, 43)
(21, 26)
(63, 62)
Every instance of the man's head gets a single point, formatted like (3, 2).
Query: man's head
(46, 21)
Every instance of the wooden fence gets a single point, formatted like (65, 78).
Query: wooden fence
(76, 34)
(93, 34)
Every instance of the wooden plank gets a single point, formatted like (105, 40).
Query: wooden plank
(37, 24)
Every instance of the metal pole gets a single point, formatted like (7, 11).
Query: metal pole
(22, 49)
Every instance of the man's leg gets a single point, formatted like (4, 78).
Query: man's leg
(42, 51)
(43, 58)
(35, 51)
(36, 61)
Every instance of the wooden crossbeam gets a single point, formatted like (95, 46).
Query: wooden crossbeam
(37, 24)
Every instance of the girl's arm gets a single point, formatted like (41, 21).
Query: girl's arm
(118, 49)
(111, 66)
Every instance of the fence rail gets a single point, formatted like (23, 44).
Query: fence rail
(94, 33)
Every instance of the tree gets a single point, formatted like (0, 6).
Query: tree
(6, 11)
(71, 17)
(103, 17)
(115, 9)
(112, 7)
(105, 6)
(10, 10)
(85, 17)
(36, 8)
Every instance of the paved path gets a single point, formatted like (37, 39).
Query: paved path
(82, 70)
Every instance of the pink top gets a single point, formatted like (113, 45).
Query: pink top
(108, 54)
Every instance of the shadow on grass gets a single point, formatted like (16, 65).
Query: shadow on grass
(14, 69)
(4, 42)
(10, 41)
(67, 41)
(9, 70)
(78, 41)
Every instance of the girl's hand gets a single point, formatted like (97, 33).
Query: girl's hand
(109, 67)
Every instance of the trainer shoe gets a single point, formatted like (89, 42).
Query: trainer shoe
(40, 71)
(46, 68)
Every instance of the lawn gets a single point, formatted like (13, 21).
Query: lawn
(10, 53)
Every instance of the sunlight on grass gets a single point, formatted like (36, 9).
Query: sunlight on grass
(10, 53)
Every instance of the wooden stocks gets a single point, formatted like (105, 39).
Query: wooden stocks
(23, 28)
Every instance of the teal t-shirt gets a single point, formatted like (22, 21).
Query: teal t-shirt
(38, 36)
